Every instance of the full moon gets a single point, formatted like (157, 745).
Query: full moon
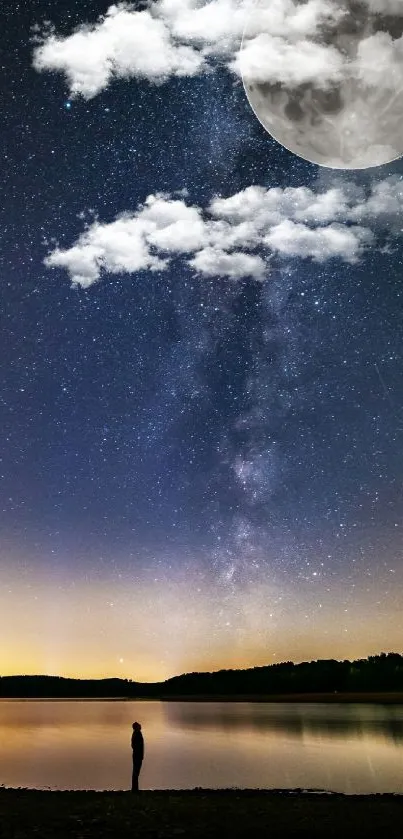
(325, 78)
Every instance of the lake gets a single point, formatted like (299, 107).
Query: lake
(351, 748)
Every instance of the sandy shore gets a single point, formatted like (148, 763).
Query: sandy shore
(26, 814)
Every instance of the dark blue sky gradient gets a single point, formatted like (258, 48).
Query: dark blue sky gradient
(122, 408)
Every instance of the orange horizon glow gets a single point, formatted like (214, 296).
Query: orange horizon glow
(151, 630)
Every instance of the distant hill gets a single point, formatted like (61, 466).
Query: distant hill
(55, 687)
(380, 673)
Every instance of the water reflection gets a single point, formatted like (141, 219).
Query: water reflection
(82, 745)
(310, 718)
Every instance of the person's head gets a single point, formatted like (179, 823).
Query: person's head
(136, 726)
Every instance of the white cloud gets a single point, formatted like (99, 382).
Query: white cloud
(116, 247)
(235, 237)
(385, 202)
(171, 225)
(319, 51)
(215, 26)
(170, 38)
(123, 44)
(214, 262)
(320, 244)
(277, 60)
(270, 206)
(379, 61)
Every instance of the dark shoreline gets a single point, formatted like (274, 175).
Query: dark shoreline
(371, 698)
(197, 814)
(378, 678)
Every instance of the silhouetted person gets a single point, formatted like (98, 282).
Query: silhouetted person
(138, 754)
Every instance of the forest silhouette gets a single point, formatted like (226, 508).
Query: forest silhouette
(379, 673)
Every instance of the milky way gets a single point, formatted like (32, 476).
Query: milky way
(197, 470)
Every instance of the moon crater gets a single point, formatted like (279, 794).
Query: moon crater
(325, 78)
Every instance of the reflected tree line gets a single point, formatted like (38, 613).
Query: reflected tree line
(298, 722)
(376, 674)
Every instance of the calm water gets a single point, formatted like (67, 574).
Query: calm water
(78, 745)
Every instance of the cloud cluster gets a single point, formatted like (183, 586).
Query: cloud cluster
(284, 43)
(265, 58)
(167, 39)
(234, 237)
(338, 45)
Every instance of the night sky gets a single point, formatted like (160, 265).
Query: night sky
(198, 470)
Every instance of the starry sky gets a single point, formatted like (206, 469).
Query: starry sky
(196, 471)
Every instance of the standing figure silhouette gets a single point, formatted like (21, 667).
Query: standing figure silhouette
(138, 754)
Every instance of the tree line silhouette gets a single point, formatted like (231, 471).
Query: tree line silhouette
(379, 673)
